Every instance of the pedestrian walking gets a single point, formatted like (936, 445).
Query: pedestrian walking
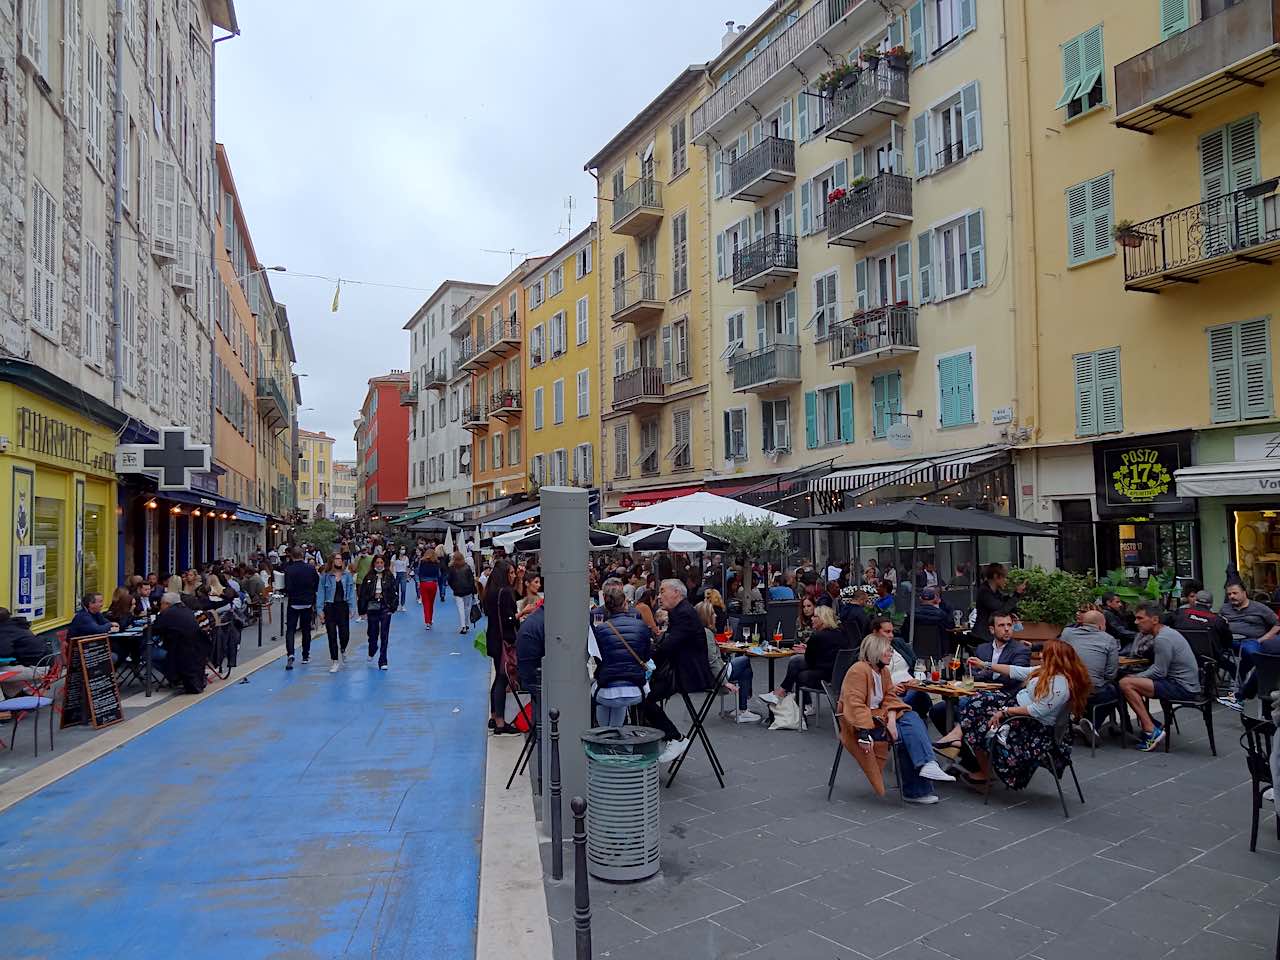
(377, 602)
(463, 584)
(400, 569)
(500, 608)
(428, 572)
(337, 589)
(300, 585)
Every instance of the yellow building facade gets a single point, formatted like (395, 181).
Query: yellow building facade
(315, 473)
(562, 389)
(654, 302)
(1154, 146)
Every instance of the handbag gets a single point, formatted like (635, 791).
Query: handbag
(649, 665)
(786, 714)
(508, 648)
(476, 613)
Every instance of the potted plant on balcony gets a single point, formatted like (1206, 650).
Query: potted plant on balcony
(871, 56)
(857, 183)
(836, 195)
(1128, 235)
(839, 76)
(898, 57)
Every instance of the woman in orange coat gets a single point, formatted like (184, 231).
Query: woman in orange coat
(873, 718)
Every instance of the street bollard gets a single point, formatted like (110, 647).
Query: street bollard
(260, 624)
(557, 829)
(581, 887)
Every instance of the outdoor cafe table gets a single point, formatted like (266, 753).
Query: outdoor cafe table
(950, 693)
(761, 653)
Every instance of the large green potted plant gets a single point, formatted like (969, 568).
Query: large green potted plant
(1050, 602)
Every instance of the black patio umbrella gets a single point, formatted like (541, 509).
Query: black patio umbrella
(597, 540)
(675, 539)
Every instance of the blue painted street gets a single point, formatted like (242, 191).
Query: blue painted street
(302, 814)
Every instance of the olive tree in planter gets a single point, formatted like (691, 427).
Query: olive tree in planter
(1050, 601)
(750, 540)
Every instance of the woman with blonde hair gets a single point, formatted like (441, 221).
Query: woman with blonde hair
(713, 597)
(873, 718)
(818, 660)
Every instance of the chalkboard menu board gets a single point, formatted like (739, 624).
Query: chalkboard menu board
(91, 692)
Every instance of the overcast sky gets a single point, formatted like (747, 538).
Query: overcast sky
(396, 140)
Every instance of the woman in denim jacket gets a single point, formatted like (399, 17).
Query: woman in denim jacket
(335, 596)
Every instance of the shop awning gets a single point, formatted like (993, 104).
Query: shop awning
(500, 510)
(248, 516)
(646, 498)
(202, 499)
(511, 521)
(937, 471)
(1242, 478)
(409, 517)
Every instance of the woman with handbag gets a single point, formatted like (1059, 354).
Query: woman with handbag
(625, 644)
(377, 598)
(500, 607)
(337, 590)
(462, 581)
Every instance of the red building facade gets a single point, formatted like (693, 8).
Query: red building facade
(382, 447)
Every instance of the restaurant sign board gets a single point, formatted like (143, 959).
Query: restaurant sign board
(1135, 475)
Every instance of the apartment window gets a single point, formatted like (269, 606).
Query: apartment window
(582, 322)
(558, 334)
(1098, 392)
(826, 303)
(948, 132)
(1240, 386)
(681, 452)
(775, 420)
(582, 262)
(952, 258)
(536, 339)
(306, 488)
(1083, 73)
(1090, 210)
(94, 330)
(559, 467)
(537, 470)
(1229, 163)
(513, 305)
(733, 336)
(46, 247)
(648, 459)
(679, 150)
(813, 197)
(537, 408)
(513, 446)
(728, 243)
(680, 252)
(535, 295)
(557, 401)
(36, 42)
(498, 449)
(556, 282)
(584, 390)
(955, 389)
(583, 467)
(483, 459)
(621, 451)
(886, 402)
(828, 416)
(619, 359)
(94, 104)
(735, 434)
(934, 25)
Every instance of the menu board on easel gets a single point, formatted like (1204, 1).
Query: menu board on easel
(91, 692)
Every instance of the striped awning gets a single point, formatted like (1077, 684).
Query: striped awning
(940, 471)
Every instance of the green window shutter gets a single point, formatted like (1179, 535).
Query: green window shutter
(857, 167)
(893, 397)
(915, 26)
(666, 353)
(789, 314)
(1110, 407)
(1213, 185)
(840, 178)
(1101, 240)
(970, 108)
(860, 282)
(810, 419)
(976, 236)
(1092, 63)
(947, 416)
(924, 245)
(1256, 398)
(1077, 224)
(968, 16)
(1242, 172)
(784, 122)
(955, 376)
(903, 259)
(878, 388)
(964, 382)
(762, 326)
(895, 32)
(846, 412)
(1070, 72)
(802, 113)
(789, 213)
(1224, 352)
(920, 128)
(806, 210)
(1175, 16)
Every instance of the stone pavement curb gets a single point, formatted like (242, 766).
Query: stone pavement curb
(513, 919)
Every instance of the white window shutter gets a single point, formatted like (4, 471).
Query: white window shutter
(806, 212)
(903, 262)
(719, 165)
(164, 244)
(920, 126)
(860, 283)
(71, 60)
(924, 247)
(971, 110)
(719, 256)
(784, 121)
(976, 237)
(968, 16)
(802, 113)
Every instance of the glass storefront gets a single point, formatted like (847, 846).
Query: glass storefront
(1257, 547)
(47, 532)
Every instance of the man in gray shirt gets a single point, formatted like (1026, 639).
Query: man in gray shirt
(1174, 674)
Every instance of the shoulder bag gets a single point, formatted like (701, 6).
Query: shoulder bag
(508, 645)
(649, 665)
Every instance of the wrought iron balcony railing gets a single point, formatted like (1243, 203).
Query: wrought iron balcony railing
(882, 202)
(877, 95)
(774, 254)
(874, 334)
(769, 163)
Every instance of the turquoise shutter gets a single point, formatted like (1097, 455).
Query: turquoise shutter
(903, 259)
(1175, 16)
(1109, 406)
(1256, 398)
(965, 388)
(1102, 242)
(1213, 184)
(860, 283)
(846, 413)
(858, 169)
(878, 389)
(789, 214)
(892, 397)
(1242, 173)
(895, 32)
(1086, 394)
(802, 113)
(789, 312)
(841, 176)
(1077, 224)
(1070, 72)
(955, 379)
(970, 108)
(920, 125)
(1091, 61)
(924, 249)
(977, 250)
(915, 25)
(666, 353)
(897, 141)
(810, 419)
(806, 211)
(1224, 405)
(968, 16)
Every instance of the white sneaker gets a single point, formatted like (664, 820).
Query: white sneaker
(369, 659)
(1270, 795)
(810, 710)
(333, 667)
(382, 667)
(931, 771)
(770, 698)
(927, 799)
(746, 716)
(674, 749)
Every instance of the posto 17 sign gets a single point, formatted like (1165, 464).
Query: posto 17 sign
(1135, 476)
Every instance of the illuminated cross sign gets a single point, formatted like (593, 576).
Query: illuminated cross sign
(172, 460)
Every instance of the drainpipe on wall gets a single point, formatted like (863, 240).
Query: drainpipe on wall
(117, 204)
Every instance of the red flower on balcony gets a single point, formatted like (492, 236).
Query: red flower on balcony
(838, 193)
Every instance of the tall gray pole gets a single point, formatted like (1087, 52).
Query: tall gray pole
(117, 212)
(564, 672)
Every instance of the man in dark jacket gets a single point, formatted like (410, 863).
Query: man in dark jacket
(186, 646)
(300, 585)
(89, 620)
(1002, 648)
(1200, 615)
(531, 647)
(18, 643)
(1118, 620)
(684, 651)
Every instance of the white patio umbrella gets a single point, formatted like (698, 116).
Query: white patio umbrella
(673, 539)
(448, 543)
(696, 510)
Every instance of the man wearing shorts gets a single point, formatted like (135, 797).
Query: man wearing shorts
(1173, 675)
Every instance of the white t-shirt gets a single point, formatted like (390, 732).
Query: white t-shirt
(399, 565)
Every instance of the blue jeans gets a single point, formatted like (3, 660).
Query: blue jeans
(740, 673)
(379, 633)
(918, 701)
(914, 751)
(402, 581)
(613, 713)
(1246, 683)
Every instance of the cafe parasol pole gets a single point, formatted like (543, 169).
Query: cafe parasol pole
(915, 550)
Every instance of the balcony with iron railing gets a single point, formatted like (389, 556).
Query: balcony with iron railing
(467, 351)
(475, 417)
(639, 298)
(876, 97)
(435, 379)
(762, 169)
(772, 257)
(409, 395)
(774, 367)
(868, 211)
(638, 210)
(1184, 246)
(874, 334)
(271, 403)
(501, 340)
(1236, 49)
(639, 387)
(505, 405)
(763, 78)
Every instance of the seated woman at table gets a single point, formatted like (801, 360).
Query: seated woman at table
(1058, 687)
(712, 596)
(815, 664)
(121, 608)
(804, 620)
(874, 717)
(643, 606)
(625, 645)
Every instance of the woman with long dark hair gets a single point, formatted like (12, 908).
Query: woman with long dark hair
(427, 570)
(500, 607)
(336, 595)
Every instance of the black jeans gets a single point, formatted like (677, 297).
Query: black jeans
(292, 620)
(798, 672)
(498, 689)
(660, 690)
(337, 624)
(379, 633)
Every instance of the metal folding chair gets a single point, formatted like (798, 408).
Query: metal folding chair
(1061, 734)
(697, 731)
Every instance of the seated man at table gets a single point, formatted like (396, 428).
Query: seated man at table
(1199, 615)
(1002, 648)
(185, 646)
(932, 611)
(1119, 622)
(684, 648)
(1254, 629)
(89, 620)
(19, 644)
(779, 590)
(1100, 654)
(1173, 675)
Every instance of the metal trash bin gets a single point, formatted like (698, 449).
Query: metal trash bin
(622, 802)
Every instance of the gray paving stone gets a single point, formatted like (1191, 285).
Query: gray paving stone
(1051, 907)
(848, 890)
(1158, 916)
(702, 938)
(756, 878)
(1151, 852)
(948, 897)
(837, 853)
(1211, 946)
(811, 826)
(986, 936)
(1105, 878)
(765, 919)
(1098, 940)
(876, 930)
(807, 945)
(1234, 857)
(1209, 888)
(1253, 921)
(661, 910)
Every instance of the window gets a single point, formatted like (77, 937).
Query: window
(536, 337)
(1240, 386)
(94, 105)
(621, 451)
(728, 244)
(886, 402)
(513, 303)
(94, 331)
(1098, 393)
(1083, 73)
(584, 390)
(537, 470)
(828, 415)
(582, 322)
(557, 401)
(675, 351)
(537, 408)
(679, 154)
(813, 197)
(513, 446)
(47, 532)
(560, 466)
(649, 437)
(582, 262)
(955, 390)
(826, 303)
(952, 258)
(557, 334)
(1229, 163)
(619, 359)
(936, 24)
(1089, 216)
(733, 337)
(735, 434)
(775, 420)
(306, 488)
(513, 374)
(46, 252)
(556, 282)
(35, 46)
(498, 450)
(681, 452)
(948, 132)
(483, 459)
(680, 252)
(535, 295)
(583, 467)
(811, 113)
